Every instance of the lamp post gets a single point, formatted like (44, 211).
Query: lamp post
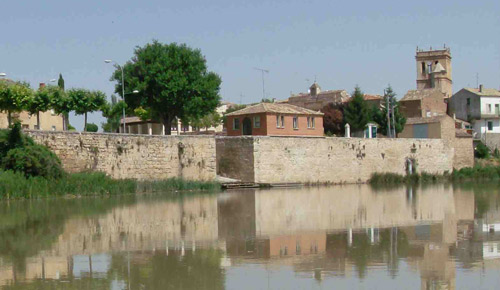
(123, 88)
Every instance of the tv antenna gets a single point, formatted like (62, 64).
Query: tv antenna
(263, 84)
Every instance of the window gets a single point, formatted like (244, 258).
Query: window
(53, 128)
(280, 121)
(256, 122)
(488, 108)
(310, 122)
(236, 124)
(313, 122)
(26, 126)
(296, 122)
(497, 109)
(468, 101)
(490, 126)
(423, 68)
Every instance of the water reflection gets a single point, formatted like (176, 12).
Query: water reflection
(348, 236)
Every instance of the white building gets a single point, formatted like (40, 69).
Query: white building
(481, 106)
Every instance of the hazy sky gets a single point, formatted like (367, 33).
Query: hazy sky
(341, 43)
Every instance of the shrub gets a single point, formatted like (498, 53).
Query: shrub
(91, 127)
(496, 154)
(33, 160)
(482, 151)
(71, 128)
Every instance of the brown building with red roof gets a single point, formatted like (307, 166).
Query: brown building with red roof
(272, 119)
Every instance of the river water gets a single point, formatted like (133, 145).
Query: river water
(340, 237)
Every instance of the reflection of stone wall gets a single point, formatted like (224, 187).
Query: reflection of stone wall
(288, 211)
(146, 225)
(235, 158)
(133, 156)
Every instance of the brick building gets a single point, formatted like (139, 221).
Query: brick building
(272, 119)
(423, 103)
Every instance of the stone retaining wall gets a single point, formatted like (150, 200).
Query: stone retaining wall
(141, 157)
(336, 160)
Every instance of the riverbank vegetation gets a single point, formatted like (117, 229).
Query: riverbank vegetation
(30, 170)
(478, 172)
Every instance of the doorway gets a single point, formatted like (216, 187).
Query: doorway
(247, 126)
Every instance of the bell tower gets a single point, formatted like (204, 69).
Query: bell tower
(434, 70)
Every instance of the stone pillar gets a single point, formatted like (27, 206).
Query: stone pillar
(178, 126)
(347, 130)
(162, 129)
(129, 129)
(150, 129)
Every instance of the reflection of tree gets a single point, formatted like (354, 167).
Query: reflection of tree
(196, 270)
(28, 227)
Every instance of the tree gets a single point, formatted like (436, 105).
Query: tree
(62, 104)
(333, 120)
(209, 120)
(84, 101)
(14, 97)
(91, 127)
(172, 80)
(379, 115)
(357, 113)
(60, 84)
(113, 115)
(41, 101)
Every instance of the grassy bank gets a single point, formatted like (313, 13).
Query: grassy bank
(16, 185)
(464, 174)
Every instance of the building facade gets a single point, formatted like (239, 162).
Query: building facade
(272, 119)
(481, 107)
(424, 103)
(316, 99)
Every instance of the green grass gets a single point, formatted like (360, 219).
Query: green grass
(464, 174)
(16, 185)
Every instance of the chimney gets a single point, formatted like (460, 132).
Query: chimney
(480, 88)
(41, 86)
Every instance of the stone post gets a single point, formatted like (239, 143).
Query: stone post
(150, 129)
(162, 129)
(347, 130)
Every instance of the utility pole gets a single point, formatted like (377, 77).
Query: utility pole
(263, 84)
(389, 132)
(393, 118)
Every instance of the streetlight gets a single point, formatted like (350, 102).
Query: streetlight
(123, 88)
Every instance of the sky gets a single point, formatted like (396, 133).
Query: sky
(340, 44)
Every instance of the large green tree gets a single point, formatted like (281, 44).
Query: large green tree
(14, 97)
(379, 115)
(357, 113)
(61, 103)
(84, 101)
(172, 80)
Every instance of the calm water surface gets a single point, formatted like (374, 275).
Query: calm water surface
(344, 237)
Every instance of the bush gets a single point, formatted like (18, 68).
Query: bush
(33, 160)
(71, 128)
(91, 127)
(482, 151)
(496, 154)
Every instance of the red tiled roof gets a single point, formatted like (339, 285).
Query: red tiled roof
(274, 108)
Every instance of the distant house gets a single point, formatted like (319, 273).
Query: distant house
(436, 127)
(49, 120)
(134, 125)
(316, 99)
(479, 106)
(373, 100)
(423, 103)
(274, 119)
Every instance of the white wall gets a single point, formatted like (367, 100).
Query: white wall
(481, 126)
(485, 101)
